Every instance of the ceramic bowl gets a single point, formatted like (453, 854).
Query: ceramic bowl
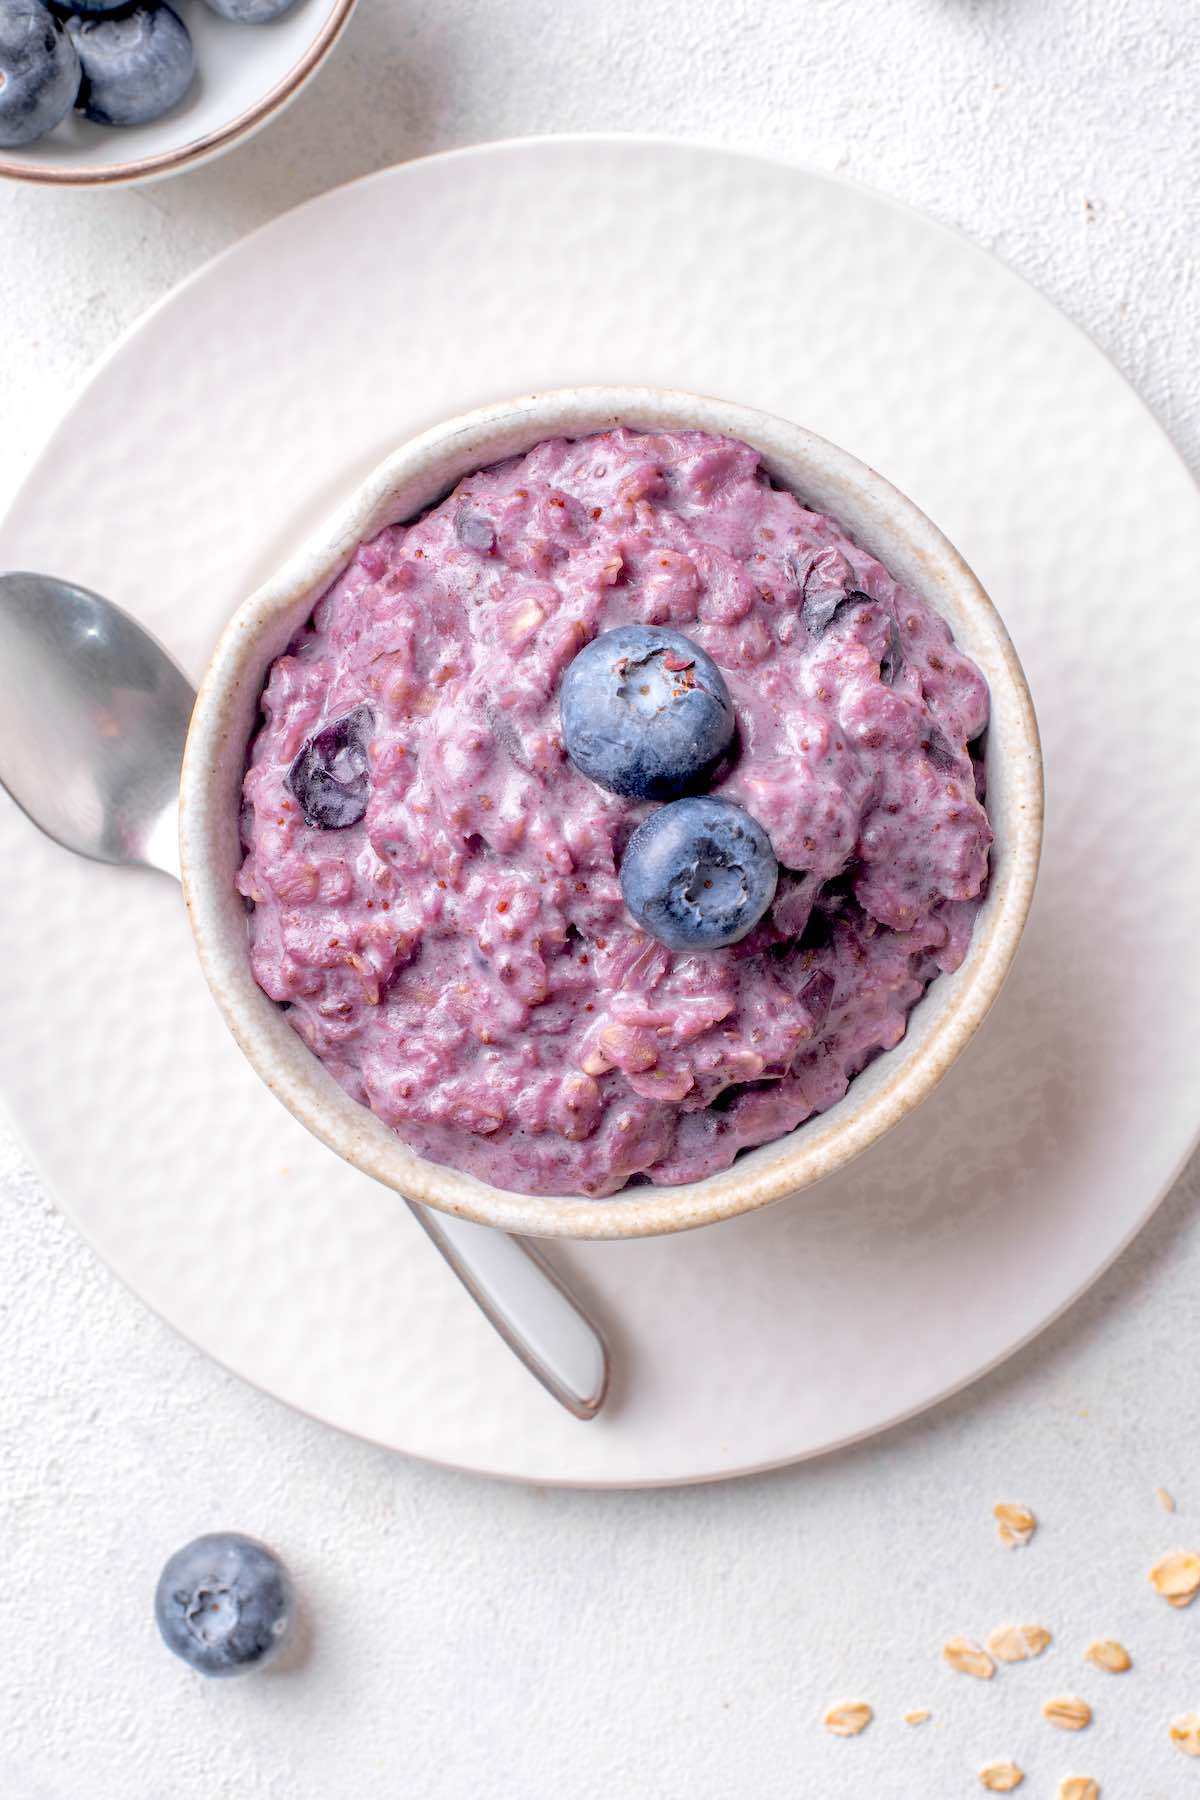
(416, 476)
(245, 75)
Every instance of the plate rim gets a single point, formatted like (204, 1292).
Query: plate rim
(529, 141)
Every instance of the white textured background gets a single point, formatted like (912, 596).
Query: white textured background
(466, 1639)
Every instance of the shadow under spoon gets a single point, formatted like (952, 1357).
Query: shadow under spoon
(93, 719)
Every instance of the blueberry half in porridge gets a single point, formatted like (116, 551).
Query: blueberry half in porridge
(608, 819)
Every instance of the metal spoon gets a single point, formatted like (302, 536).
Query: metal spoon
(93, 717)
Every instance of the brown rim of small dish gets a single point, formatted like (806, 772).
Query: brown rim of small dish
(112, 174)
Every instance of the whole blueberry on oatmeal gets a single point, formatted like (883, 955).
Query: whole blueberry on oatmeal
(645, 712)
(437, 886)
(699, 874)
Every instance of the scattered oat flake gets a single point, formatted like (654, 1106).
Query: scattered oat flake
(918, 1716)
(1106, 1653)
(1185, 1731)
(1177, 1577)
(1016, 1643)
(1068, 1712)
(1164, 1499)
(968, 1658)
(1001, 1777)
(1015, 1525)
(848, 1719)
(1078, 1787)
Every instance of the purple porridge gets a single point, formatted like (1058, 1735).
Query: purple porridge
(456, 949)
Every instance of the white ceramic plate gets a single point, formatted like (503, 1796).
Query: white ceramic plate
(245, 74)
(183, 474)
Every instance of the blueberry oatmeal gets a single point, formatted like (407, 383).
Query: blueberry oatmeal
(607, 820)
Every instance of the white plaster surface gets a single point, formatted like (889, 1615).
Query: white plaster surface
(464, 1638)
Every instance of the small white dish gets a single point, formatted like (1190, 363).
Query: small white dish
(245, 75)
(826, 478)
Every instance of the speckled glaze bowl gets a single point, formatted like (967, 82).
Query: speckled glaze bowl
(420, 473)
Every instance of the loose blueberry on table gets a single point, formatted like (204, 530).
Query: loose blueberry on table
(645, 713)
(699, 874)
(39, 73)
(224, 1603)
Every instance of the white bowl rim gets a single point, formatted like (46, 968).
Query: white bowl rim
(913, 549)
(198, 149)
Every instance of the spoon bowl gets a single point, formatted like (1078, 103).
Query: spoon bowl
(95, 718)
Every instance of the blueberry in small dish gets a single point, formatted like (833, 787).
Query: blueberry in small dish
(89, 9)
(39, 72)
(249, 12)
(78, 76)
(224, 1604)
(136, 65)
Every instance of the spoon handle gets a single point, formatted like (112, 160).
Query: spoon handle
(518, 1292)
